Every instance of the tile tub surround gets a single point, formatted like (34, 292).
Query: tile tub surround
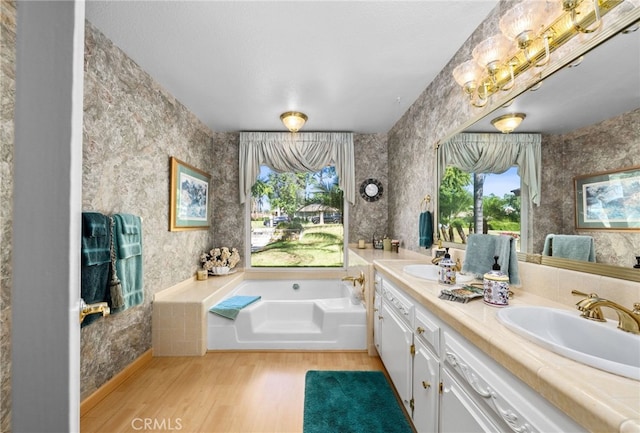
(179, 317)
(599, 401)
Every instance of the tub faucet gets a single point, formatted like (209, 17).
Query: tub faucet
(359, 279)
(628, 320)
(98, 307)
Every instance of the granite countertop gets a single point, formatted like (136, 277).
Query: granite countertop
(597, 400)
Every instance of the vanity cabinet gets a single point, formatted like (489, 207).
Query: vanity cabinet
(426, 380)
(377, 313)
(448, 384)
(396, 340)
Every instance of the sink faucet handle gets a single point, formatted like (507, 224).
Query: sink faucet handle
(586, 295)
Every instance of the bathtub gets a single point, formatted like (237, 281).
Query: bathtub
(293, 315)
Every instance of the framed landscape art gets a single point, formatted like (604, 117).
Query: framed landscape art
(608, 200)
(189, 198)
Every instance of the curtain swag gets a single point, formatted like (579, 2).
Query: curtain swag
(495, 153)
(302, 151)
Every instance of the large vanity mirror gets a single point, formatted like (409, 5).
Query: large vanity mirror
(588, 115)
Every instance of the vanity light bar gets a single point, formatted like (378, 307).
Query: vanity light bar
(558, 33)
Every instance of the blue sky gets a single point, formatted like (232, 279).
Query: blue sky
(500, 184)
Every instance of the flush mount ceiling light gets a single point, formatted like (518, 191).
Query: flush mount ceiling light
(293, 120)
(508, 123)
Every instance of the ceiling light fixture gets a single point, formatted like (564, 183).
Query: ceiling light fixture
(508, 123)
(293, 120)
(530, 32)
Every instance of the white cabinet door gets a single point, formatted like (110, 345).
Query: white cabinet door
(396, 343)
(377, 320)
(426, 380)
(458, 413)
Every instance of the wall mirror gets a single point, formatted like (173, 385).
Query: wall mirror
(604, 84)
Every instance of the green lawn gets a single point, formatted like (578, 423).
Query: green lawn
(319, 246)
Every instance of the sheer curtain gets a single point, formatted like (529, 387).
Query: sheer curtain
(494, 153)
(302, 151)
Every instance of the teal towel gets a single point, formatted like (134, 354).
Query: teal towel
(96, 261)
(230, 307)
(127, 242)
(575, 247)
(480, 251)
(426, 229)
(95, 239)
(128, 235)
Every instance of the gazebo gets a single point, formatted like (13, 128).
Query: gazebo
(315, 209)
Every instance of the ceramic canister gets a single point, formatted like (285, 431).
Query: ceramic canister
(496, 289)
(447, 270)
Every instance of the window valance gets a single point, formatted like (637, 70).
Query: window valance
(495, 153)
(301, 152)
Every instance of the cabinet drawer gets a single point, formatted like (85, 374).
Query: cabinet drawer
(502, 396)
(427, 331)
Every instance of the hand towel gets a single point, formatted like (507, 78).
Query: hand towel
(575, 247)
(95, 263)
(480, 251)
(230, 307)
(426, 229)
(128, 249)
(95, 239)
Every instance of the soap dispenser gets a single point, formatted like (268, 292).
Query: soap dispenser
(447, 271)
(496, 286)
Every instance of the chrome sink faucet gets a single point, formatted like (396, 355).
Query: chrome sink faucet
(628, 320)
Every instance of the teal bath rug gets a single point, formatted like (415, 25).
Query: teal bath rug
(351, 402)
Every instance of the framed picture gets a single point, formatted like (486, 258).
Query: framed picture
(189, 201)
(608, 200)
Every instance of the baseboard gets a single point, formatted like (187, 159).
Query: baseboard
(88, 403)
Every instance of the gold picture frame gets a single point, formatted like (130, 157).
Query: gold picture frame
(189, 197)
(608, 200)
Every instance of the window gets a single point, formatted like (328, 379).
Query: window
(330, 159)
(479, 203)
(297, 219)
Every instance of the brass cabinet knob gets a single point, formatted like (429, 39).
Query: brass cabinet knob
(426, 385)
(420, 330)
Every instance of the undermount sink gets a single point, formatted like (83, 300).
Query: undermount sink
(430, 272)
(597, 344)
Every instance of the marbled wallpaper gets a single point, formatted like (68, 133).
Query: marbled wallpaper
(131, 128)
(367, 219)
(608, 145)
(7, 92)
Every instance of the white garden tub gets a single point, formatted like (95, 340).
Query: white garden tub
(292, 315)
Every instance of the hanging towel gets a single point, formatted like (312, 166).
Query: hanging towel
(95, 239)
(230, 307)
(128, 248)
(426, 229)
(480, 251)
(95, 262)
(575, 247)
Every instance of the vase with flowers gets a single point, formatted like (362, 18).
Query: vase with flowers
(220, 261)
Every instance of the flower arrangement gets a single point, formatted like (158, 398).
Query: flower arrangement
(220, 260)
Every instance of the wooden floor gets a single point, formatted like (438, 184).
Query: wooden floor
(230, 392)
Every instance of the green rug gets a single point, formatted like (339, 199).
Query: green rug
(351, 402)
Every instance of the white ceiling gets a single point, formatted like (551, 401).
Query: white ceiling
(237, 65)
(349, 65)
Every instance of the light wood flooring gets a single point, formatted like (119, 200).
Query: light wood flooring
(231, 392)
